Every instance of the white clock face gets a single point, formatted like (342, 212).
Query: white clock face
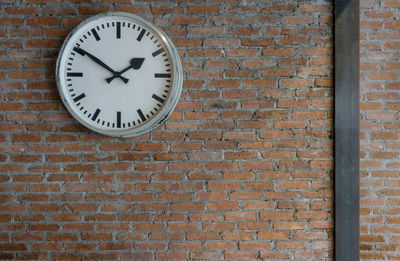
(119, 75)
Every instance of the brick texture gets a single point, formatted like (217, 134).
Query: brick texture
(380, 130)
(241, 170)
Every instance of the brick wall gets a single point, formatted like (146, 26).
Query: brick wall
(380, 129)
(241, 170)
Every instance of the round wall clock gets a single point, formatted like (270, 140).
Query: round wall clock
(119, 75)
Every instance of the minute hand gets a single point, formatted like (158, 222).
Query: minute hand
(101, 63)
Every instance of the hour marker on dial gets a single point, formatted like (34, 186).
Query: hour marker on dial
(118, 119)
(80, 97)
(139, 38)
(75, 74)
(158, 98)
(95, 34)
(96, 113)
(141, 115)
(158, 52)
(118, 30)
(79, 50)
(162, 75)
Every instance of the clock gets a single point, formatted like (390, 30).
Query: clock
(119, 75)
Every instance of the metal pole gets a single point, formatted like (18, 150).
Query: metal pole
(347, 128)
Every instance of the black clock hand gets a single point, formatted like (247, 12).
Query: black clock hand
(135, 63)
(99, 62)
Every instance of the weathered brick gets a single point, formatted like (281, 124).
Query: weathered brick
(251, 135)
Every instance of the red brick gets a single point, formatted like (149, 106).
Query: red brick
(187, 206)
(205, 255)
(220, 245)
(42, 21)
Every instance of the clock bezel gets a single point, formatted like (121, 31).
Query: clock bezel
(176, 77)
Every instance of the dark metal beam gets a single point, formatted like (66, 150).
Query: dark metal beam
(347, 128)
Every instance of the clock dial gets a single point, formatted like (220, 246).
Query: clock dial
(119, 75)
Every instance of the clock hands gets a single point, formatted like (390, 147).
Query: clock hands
(101, 63)
(135, 63)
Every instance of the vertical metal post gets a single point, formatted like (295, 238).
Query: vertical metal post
(347, 128)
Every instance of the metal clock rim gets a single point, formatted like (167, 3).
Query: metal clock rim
(176, 87)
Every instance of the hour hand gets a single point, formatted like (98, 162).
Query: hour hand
(134, 63)
(100, 62)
